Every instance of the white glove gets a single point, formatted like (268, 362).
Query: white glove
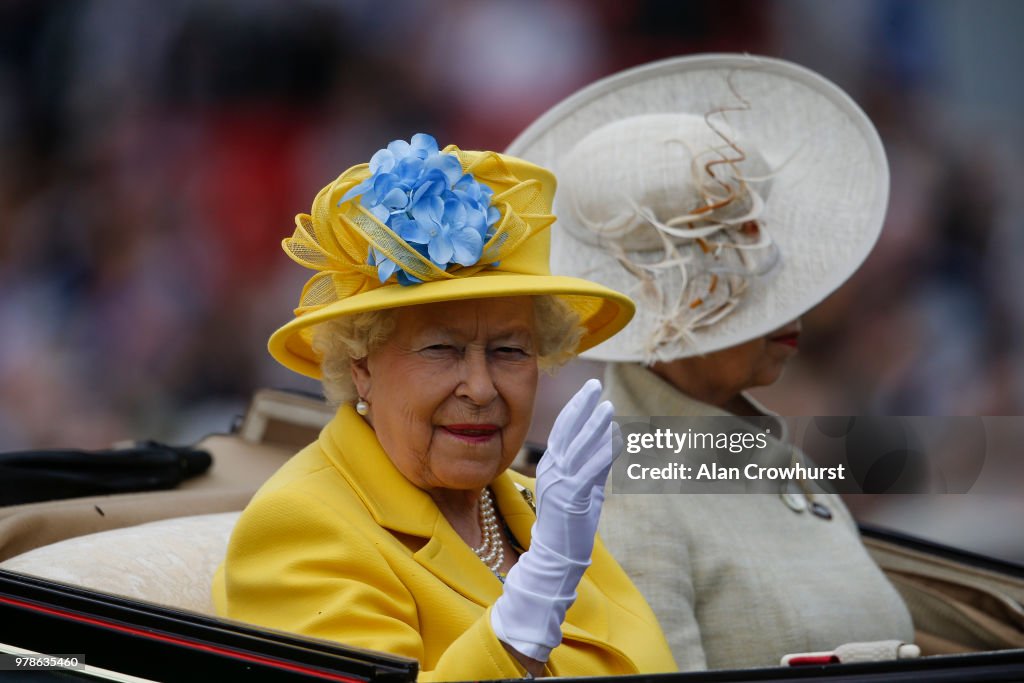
(571, 476)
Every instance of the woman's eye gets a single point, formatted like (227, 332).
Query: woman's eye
(511, 352)
(439, 347)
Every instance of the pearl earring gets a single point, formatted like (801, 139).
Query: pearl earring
(362, 407)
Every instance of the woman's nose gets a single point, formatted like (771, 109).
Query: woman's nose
(476, 382)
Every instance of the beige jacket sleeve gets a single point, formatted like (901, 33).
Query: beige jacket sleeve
(659, 566)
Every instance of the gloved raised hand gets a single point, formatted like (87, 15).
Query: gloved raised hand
(571, 476)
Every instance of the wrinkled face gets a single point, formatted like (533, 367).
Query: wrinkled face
(756, 363)
(451, 392)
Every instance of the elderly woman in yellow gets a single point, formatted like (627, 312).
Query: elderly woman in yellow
(401, 529)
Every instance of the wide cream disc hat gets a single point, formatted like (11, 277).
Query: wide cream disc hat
(419, 225)
(727, 194)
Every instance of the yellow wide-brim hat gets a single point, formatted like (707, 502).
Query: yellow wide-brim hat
(340, 239)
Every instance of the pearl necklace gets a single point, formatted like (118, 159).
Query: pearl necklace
(492, 551)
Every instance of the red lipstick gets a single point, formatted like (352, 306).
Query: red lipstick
(473, 433)
(791, 339)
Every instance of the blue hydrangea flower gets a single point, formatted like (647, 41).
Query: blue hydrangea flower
(424, 197)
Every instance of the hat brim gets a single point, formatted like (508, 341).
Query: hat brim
(603, 311)
(825, 210)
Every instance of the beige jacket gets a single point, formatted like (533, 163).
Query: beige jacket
(739, 580)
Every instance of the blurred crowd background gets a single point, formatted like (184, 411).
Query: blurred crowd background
(155, 154)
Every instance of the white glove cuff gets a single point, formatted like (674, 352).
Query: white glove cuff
(529, 622)
(539, 651)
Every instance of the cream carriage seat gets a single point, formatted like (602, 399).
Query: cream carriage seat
(140, 545)
(169, 562)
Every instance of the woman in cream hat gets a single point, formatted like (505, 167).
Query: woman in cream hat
(401, 528)
(728, 195)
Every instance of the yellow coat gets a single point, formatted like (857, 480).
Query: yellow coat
(338, 544)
